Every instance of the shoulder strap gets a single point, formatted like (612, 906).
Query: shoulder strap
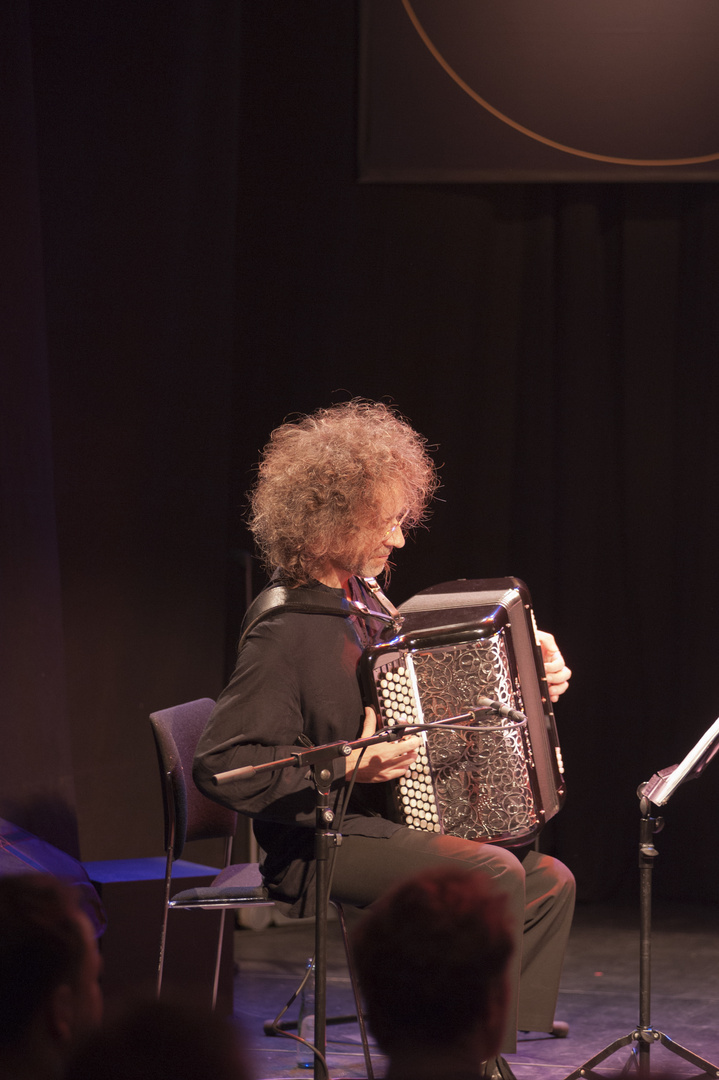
(278, 598)
(373, 586)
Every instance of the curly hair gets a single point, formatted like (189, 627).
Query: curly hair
(326, 477)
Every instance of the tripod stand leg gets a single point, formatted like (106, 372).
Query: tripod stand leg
(688, 1055)
(504, 1070)
(356, 992)
(639, 1056)
(497, 1069)
(587, 1067)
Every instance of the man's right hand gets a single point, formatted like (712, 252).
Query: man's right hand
(383, 761)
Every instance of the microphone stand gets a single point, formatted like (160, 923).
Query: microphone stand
(317, 758)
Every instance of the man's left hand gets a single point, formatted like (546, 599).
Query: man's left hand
(558, 674)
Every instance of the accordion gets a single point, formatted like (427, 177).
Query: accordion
(501, 779)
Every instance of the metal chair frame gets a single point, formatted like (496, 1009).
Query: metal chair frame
(190, 815)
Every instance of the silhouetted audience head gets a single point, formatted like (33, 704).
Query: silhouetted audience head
(49, 970)
(432, 959)
(160, 1040)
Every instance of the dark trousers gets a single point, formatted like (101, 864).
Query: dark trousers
(540, 892)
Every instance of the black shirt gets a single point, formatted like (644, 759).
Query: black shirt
(295, 684)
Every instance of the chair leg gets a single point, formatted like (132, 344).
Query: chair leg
(163, 929)
(218, 959)
(221, 934)
(355, 990)
(161, 962)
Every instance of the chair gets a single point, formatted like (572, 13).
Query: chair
(190, 815)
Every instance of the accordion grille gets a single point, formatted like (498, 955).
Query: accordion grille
(474, 784)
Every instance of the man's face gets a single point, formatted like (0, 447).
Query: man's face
(376, 542)
(371, 545)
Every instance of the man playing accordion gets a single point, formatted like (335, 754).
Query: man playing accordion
(335, 493)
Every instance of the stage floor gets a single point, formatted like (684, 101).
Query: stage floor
(599, 995)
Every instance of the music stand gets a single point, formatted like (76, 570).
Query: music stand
(658, 791)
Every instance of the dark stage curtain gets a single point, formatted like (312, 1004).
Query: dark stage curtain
(559, 344)
(36, 782)
(119, 197)
(208, 264)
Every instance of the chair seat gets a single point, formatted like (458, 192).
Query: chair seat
(237, 884)
(219, 898)
(239, 876)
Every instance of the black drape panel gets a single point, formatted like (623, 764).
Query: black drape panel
(36, 783)
(137, 117)
(132, 183)
(210, 264)
(629, 392)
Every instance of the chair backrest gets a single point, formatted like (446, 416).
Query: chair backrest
(177, 732)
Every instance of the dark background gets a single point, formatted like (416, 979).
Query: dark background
(187, 258)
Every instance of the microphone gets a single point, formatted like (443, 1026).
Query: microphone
(501, 710)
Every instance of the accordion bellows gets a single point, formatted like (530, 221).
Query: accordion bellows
(501, 779)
